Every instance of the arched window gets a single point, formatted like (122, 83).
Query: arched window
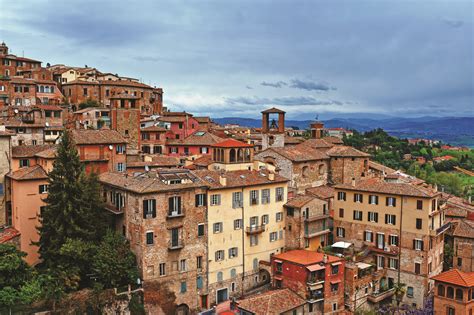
(233, 273)
(220, 276)
(255, 264)
(459, 294)
(441, 290)
(450, 292)
(240, 155)
(232, 156)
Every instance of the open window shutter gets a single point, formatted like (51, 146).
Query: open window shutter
(355, 197)
(372, 237)
(196, 200)
(383, 239)
(170, 204)
(153, 202)
(179, 203)
(361, 198)
(394, 202)
(386, 201)
(145, 208)
(353, 215)
(414, 246)
(205, 199)
(376, 200)
(365, 236)
(394, 220)
(376, 217)
(422, 243)
(386, 218)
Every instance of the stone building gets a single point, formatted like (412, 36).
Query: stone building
(454, 293)
(346, 164)
(307, 223)
(163, 214)
(463, 244)
(273, 132)
(5, 167)
(397, 226)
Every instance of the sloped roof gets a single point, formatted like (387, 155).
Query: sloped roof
(381, 168)
(456, 277)
(323, 192)
(29, 150)
(305, 257)
(378, 185)
(299, 201)
(333, 140)
(301, 153)
(197, 138)
(232, 143)
(272, 302)
(8, 234)
(29, 173)
(318, 143)
(103, 136)
(241, 178)
(464, 228)
(272, 111)
(346, 151)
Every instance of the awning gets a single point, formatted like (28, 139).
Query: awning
(362, 265)
(336, 263)
(341, 245)
(278, 261)
(335, 281)
(315, 267)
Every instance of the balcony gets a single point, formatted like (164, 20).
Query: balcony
(316, 217)
(314, 297)
(315, 283)
(114, 209)
(175, 214)
(175, 244)
(439, 230)
(315, 233)
(377, 297)
(255, 229)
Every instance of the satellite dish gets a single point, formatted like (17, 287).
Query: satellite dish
(16, 111)
(47, 124)
(111, 147)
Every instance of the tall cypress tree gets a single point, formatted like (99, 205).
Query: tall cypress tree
(74, 208)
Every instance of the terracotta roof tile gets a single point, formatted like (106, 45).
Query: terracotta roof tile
(456, 277)
(29, 173)
(299, 201)
(8, 234)
(273, 110)
(346, 151)
(241, 178)
(378, 185)
(29, 150)
(197, 138)
(464, 229)
(318, 143)
(301, 153)
(333, 140)
(305, 257)
(272, 302)
(154, 129)
(323, 192)
(103, 136)
(124, 83)
(232, 143)
(380, 167)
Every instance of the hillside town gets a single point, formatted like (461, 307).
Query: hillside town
(225, 219)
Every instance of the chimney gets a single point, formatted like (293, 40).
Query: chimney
(353, 182)
(435, 187)
(271, 176)
(325, 258)
(222, 180)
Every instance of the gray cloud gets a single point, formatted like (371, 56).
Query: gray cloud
(278, 84)
(283, 101)
(309, 85)
(453, 23)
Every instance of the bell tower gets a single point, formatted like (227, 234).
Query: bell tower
(273, 130)
(3, 49)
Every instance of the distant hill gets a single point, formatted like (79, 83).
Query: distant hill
(453, 130)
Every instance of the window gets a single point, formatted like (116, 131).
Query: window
(368, 236)
(215, 200)
(380, 262)
(341, 196)
(174, 206)
(149, 238)
(372, 216)
(200, 200)
(145, 136)
(417, 268)
(357, 215)
(459, 262)
(450, 310)
(459, 294)
(391, 201)
(43, 189)
(265, 196)
(84, 91)
(419, 204)
(265, 219)
(253, 240)
(218, 227)
(417, 244)
(290, 212)
(162, 268)
(390, 219)
(237, 224)
(183, 287)
(149, 208)
(410, 292)
(199, 262)
(341, 232)
(120, 149)
(393, 240)
(182, 265)
(120, 167)
(273, 236)
(441, 290)
(237, 199)
(335, 269)
(24, 163)
(419, 224)
(279, 216)
(279, 194)
(199, 282)
(254, 197)
(232, 287)
(334, 307)
(358, 198)
(219, 255)
(220, 276)
(201, 229)
(233, 252)
(450, 293)
(341, 213)
(393, 263)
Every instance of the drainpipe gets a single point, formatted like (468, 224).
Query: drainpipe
(400, 248)
(243, 243)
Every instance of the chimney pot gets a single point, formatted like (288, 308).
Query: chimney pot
(271, 176)
(222, 180)
(353, 182)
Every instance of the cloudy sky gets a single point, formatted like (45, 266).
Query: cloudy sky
(234, 58)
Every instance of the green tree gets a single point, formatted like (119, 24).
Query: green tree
(89, 103)
(114, 263)
(74, 208)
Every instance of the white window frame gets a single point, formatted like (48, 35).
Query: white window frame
(265, 196)
(372, 199)
(273, 236)
(220, 255)
(215, 200)
(372, 216)
(237, 200)
(393, 263)
(279, 216)
(391, 219)
(391, 238)
(237, 224)
(418, 244)
(340, 231)
(279, 194)
(233, 252)
(217, 227)
(368, 236)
